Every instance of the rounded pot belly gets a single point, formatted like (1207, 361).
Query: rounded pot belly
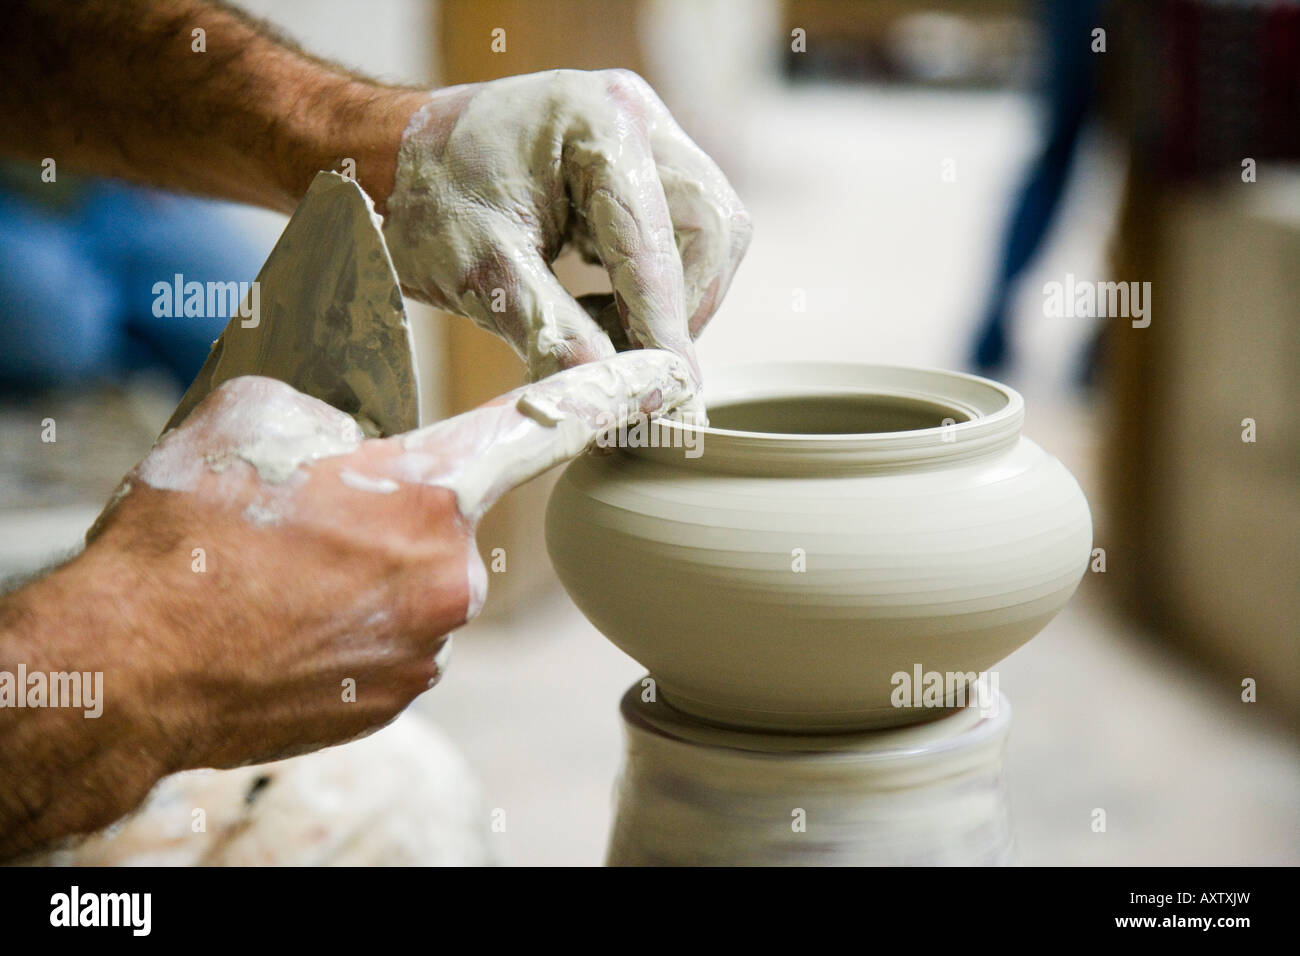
(796, 602)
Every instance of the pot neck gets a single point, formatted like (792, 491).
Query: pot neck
(980, 418)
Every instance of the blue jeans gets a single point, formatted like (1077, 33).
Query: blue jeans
(76, 282)
(1067, 29)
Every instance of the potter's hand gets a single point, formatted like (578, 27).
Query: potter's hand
(480, 185)
(350, 566)
(494, 178)
(267, 583)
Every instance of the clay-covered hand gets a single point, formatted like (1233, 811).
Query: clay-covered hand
(494, 178)
(298, 582)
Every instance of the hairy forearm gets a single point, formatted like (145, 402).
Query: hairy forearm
(63, 770)
(116, 87)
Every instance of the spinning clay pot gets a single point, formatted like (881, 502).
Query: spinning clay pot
(834, 527)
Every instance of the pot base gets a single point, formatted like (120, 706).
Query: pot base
(692, 794)
(820, 722)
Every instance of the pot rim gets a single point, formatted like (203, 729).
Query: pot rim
(994, 414)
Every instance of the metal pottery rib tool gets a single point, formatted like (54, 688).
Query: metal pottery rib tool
(329, 318)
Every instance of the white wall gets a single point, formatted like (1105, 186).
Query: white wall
(388, 39)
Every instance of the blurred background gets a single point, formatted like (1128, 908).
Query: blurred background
(917, 171)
